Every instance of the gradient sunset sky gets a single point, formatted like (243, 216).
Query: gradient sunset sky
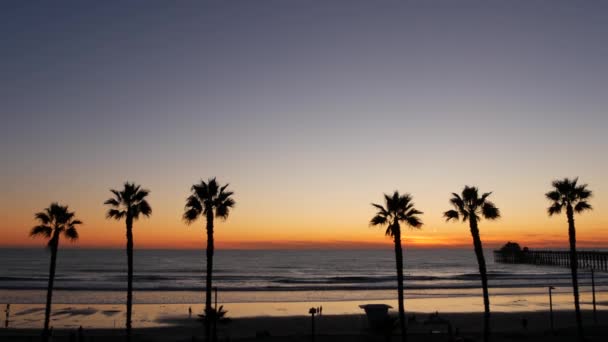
(309, 109)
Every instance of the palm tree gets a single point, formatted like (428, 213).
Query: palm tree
(129, 203)
(53, 222)
(470, 207)
(398, 209)
(568, 194)
(212, 200)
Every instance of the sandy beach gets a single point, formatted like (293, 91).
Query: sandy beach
(505, 326)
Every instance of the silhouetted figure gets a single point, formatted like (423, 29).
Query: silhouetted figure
(398, 209)
(129, 203)
(54, 221)
(211, 200)
(320, 310)
(567, 194)
(7, 312)
(471, 207)
(190, 312)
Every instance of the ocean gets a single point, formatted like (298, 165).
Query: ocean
(261, 274)
(90, 284)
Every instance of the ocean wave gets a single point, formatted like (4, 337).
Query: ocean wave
(282, 280)
(304, 287)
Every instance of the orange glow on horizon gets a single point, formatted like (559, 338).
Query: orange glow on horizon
(416, 242)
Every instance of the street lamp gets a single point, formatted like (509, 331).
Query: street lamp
(551, 306)
(312, 313)
(593, 291)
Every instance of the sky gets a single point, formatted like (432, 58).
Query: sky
(311, 110)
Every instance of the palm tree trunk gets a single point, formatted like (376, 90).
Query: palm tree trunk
(49, 291)
(574, 270)
(481, 261)
(129, 275)
(208, 284)
(399, 264)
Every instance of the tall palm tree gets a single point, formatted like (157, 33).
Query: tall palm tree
(212, 200)
(129, 203)
(573, 197)
(54, 221)
(397, 209)
(471, 207)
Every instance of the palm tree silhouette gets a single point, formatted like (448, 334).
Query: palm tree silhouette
(129, 203)
(568, 194)
(54, 221)
(470, 207)
(398, 208)
(212, 200)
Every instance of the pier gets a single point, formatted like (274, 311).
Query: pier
(592, 260)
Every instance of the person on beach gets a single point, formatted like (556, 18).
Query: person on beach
(189, 312)
(8, 313)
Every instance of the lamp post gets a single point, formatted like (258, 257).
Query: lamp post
(593, 291)
(551, 307)
(215, 317)
(312, 313)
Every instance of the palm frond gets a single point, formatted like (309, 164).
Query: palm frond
(71, 233)
(193, 202)
(458, 203)
(413, 221)
(112, 202)
(582, 193)
(470, 194)
(490, 211)
(553, 195)
(144, 208)
(190, 215)
(483, 198)
(223, 188)
(223, 209)
(43, 217)
(380, 208)
(116, 214)
(117, 194)
(141, 194)
(213, 187)
(378, 220)
(391, 202)
(41, 230)
(582, 206)
(412, 211)
(223, 196)
(201, 191)
(451, 215)
(554, 209)
(391, 230)
(566, 192)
